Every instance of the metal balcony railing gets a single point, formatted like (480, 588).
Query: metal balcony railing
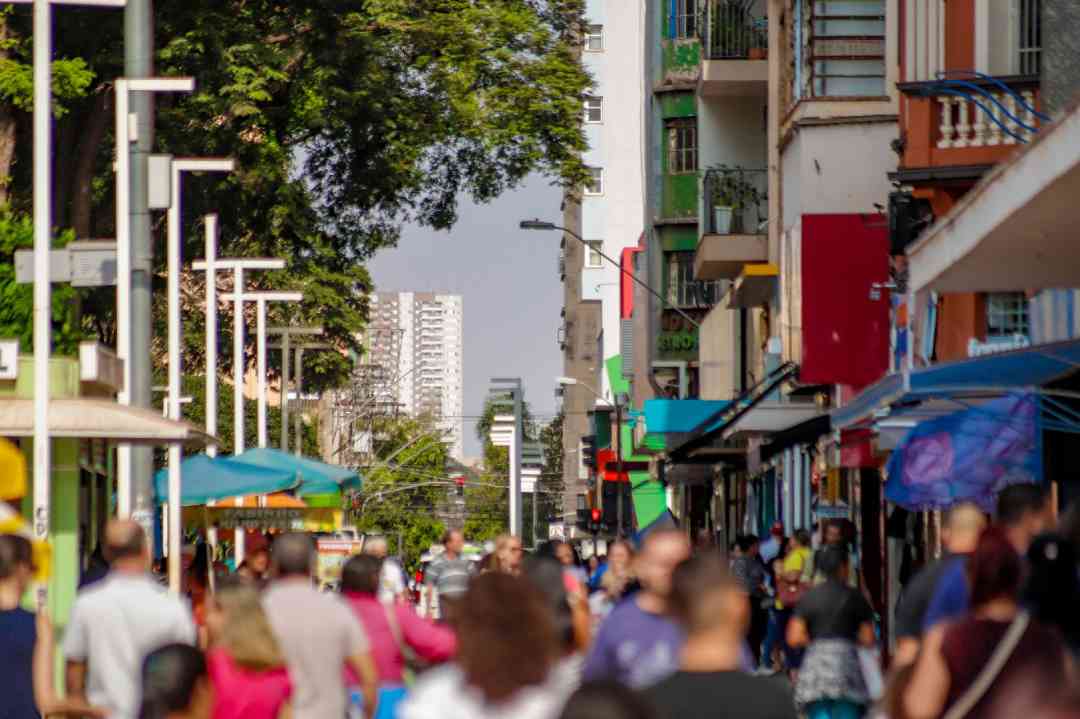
(735, 30)
(735, 201)
(694, 293)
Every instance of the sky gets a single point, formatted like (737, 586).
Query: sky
(511, 291)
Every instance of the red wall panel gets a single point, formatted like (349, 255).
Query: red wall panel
(845, 332)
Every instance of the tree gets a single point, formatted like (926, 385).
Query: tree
(551, 482)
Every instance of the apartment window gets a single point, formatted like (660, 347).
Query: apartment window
(594, 109)
(594, 38)
(1029, 45)
(846, 47)
(685, 20)
(1006, 315)
(593, 258)
(682, 145)
(595, 184)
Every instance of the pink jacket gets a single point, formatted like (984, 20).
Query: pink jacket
(428, 640)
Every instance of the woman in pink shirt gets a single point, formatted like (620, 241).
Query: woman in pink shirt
(245, 662)
(396, 633)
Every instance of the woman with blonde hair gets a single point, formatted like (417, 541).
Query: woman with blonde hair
(245, 662)
(508, 553)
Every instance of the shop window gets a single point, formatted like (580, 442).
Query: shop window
(682, 145)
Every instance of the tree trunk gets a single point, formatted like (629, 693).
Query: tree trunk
(7, 127)
(83, 176)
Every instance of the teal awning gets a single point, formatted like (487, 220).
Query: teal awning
(666, 416)
(203, 479)
(315, 477)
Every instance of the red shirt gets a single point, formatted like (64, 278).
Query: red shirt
(240, 693)
(428, 640)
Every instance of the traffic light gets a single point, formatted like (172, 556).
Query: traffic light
(611, 507)
(588, 451)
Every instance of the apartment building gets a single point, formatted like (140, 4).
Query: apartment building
(420, 337)
(608, 217)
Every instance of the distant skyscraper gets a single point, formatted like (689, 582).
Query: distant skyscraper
(418, 336)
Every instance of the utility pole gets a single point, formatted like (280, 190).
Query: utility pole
(139, 63)
(619, 467)
(287, 333)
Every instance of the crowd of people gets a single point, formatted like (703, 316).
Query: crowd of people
(772, 629)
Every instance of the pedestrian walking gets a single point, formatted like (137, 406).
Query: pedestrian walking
(834, 620)
(972, 665)
(615, 580)
(963, 525)
(256, 564)
(772, 547)
(1023, 512)
(116, 622)
(397, 635)
(571, 562)
(448, 577)
(571, 619)
(1052, 590)
(607, 700)
(638, 644)
(175, 684)
(508, 553)
(318, 634)
(792, 582)
(507, 648)
(26, 643)
(245, 661)
(712, 607)
(392, 586)
(749, 572)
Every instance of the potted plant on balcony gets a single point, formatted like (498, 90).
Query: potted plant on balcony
(731, 194)
(759, 43)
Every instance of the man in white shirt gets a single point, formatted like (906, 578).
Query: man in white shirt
(318, 634)
(116, 622)
(391, 577)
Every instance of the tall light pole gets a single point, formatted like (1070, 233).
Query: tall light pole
(508, 430)
(126, 132)
(287, 333)
(544, 225)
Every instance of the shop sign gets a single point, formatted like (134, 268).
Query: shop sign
(678, 338)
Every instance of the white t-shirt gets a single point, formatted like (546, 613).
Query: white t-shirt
(442, 693)
(318, 633)
(391, 581)
(114, 625)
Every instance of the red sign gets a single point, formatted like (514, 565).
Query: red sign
(606, 457)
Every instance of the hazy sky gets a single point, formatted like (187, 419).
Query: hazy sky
(510, 284)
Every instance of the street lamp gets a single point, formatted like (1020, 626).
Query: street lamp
(574, 382)
(287, 333)
(538, 224)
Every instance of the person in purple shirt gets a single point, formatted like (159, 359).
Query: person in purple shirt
(639, 644)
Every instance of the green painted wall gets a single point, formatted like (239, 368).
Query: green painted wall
(677, 104)
(679, 197)
(676, 238)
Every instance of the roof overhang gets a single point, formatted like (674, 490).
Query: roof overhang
(755, 286)
(1016, 229)
(771, 417)
(98, 419)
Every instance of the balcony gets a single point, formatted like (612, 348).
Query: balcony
(736, 46)
(965, 120)
(694, 294)
(736, 209)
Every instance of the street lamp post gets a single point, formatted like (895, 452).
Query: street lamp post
(298, 443)
(544, 225)
(287, 333)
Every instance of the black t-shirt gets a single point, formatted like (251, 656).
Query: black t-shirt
(732, 695)
(916, 598)
(834, 611)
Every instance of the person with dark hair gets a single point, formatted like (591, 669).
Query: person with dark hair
(712, 607)
(118, 621)
(318, 634)
(638, 644)
(792, 581)
(256, 564)
(1052, 590)
(570, 614)
(832, 620)
(1023, 511)
(447, 577)
(749, 571)
(614, 581)
(969, 666)
(396, 633)
(175, 684)
(507, 648)
(607, 700)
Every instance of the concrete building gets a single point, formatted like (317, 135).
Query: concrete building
(419, 336)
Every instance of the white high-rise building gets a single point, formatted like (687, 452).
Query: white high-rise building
(419, 337)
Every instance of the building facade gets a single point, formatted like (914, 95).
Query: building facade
(419, 338)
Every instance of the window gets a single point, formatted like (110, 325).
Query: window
(846, 47)
(1029, 45)
(682, 145)
(594, 38)
(593, 258)
(594, 109)
(685, 20)
(1006, 315)
(595, 185)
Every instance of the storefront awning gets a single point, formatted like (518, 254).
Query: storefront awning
(83, 418)
(315, 477)
(1016, 229)
(204, 478)
(989, 376)
(804, 432)
(770, 417)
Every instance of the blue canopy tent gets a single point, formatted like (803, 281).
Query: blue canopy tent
(314, 477)
(203, 478)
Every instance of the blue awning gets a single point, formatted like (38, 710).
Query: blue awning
(203, 479)
(1028, 368)
(664, 416)
(315, 477)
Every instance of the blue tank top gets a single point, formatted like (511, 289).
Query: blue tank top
(17, 637)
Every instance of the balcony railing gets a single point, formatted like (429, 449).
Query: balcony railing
(735, 30)
(735, 201)
(694, 293)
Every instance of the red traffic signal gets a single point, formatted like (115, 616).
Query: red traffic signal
(596, 514)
